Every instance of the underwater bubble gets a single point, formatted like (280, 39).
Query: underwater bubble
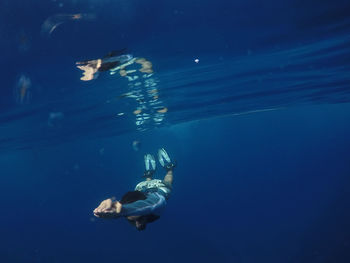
(55, 119)
(102, 151)
(76, 167)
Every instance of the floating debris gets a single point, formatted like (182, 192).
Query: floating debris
(136, 145)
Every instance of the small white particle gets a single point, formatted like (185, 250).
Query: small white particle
(196, 60)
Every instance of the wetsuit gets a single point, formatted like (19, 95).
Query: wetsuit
(156, 193)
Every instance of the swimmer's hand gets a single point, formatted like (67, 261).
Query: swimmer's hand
(108, 209)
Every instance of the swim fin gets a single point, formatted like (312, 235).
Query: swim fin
(165, 160)
(150, 165)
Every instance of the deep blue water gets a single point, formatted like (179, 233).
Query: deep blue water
(259, 128)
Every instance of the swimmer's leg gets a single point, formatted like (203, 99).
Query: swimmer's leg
(168, 179)
(166, 162)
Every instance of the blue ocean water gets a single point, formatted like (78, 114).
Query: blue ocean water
(250, 97)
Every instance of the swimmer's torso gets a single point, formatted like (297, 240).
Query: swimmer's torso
(144, 186)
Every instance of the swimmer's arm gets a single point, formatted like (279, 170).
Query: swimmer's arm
(153, 204)
(108, 209)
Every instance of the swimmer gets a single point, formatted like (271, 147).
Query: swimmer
(146, 203)
(92, 68)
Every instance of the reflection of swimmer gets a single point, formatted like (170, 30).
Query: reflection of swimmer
(113, 59)
(143, 85)
(146, 203)
(54, 21)
(22, 91)
(143, 88)
(146, 67)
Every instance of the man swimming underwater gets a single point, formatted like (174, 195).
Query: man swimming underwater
(144, 204)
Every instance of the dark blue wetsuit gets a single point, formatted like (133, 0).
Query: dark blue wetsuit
(156, 195)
